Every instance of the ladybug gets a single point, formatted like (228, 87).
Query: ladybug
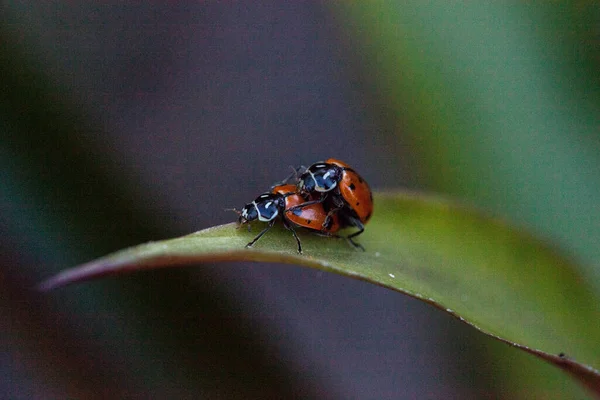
(269, 206)
(342, 190)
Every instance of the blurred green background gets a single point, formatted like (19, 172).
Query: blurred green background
(128, 123)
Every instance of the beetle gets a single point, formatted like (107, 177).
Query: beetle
(281, 203)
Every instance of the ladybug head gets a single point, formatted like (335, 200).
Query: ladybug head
(306, 184)
(248, 213)
(264, 208)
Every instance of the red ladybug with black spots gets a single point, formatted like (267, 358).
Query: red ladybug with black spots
(342, 191)
(281, 203)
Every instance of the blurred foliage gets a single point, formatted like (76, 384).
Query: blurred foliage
(501, 101)
(63, 201)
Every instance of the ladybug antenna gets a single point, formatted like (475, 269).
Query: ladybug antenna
(291, 178)
(235, 210)
(300, 169)
(240, 221)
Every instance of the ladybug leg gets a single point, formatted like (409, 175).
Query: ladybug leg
(241, 223)
(306, 204)
(271, 223)
(361, 228)
(301, 206)
(337, 204)
(328, 219)
(335, 236)
(289, 227)
(327, 234)
(353, 243)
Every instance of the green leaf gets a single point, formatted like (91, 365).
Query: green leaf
(501, 281)
(500, 105)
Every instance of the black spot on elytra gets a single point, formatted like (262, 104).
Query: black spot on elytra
(352, 187)
(360, 179)
(308, 221)
(357, 203)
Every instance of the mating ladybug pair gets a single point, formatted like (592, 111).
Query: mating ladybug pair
(327, 197)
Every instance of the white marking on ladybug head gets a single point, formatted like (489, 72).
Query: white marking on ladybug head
(247, 210)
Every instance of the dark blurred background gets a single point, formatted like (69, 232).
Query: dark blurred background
(129, 123)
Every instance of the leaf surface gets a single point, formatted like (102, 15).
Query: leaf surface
(499, 280)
